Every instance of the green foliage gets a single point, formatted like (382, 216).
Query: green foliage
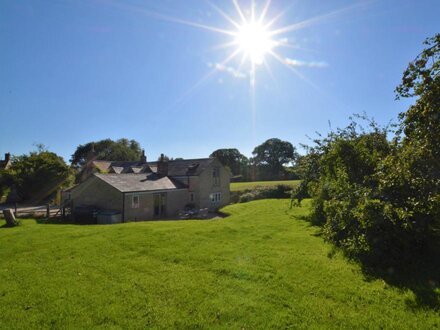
(122, 149)
(38, 175)
(410, 177)
(233, 159)
(307, 168)
(259, 268)
(241, 186)
(422, 74)
(6, 181)
(380, 200)
(277, 191)
(269, 162)
(274, 154)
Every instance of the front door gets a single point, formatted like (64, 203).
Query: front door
(160, 205)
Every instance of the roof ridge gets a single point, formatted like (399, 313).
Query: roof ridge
(185, 160)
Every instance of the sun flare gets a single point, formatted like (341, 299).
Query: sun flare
(254, 41)
(255, 34)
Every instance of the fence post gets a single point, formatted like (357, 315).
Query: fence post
(48, 211)
(15, 209)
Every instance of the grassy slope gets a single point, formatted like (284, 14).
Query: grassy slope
(259, 268)
(238, 186)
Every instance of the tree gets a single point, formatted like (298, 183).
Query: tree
(38, 175)
(411, 176)
(274, 153)
(231, 158)
(421, 123)
(122, 149)
(6, 181)
(379, 200)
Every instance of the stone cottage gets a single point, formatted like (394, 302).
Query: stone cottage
(152, 190)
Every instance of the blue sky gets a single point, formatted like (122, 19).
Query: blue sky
(78, 71)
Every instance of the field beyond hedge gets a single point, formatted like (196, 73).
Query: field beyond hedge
(239, 186)
(261, 267)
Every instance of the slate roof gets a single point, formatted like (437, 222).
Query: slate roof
(184, 167)
(121, 166)
(116, 169)
(131, 182)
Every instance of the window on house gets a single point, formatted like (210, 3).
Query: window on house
(216, 197)
(135, 202)
(160, 204)
(216, 175)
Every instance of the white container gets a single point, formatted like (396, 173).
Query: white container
(106, 218)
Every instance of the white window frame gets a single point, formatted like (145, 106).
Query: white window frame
(215, 197)
(135, 205)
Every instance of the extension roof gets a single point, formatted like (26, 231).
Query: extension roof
(131, 182)
(180, 167)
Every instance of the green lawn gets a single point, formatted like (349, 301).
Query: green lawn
(238, 186)
(262, 267)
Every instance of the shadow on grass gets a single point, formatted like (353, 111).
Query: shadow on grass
(66, 221)
(420, 274)
(307, 220)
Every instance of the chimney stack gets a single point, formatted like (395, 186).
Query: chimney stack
(91, 155)
(143, 157)
(7, 157)
(162, 166)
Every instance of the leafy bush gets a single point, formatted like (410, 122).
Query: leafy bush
(278, 191)
(379, 200)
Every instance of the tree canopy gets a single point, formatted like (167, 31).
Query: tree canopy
(275, 153)
(122, 149)
(38, 174)
(231, 158)
(379, 200)
(421, 123)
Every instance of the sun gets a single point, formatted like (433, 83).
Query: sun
(254, 41)
(254, 36)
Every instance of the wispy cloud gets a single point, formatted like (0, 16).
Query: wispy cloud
(282, 41)
(298, 63)
(228, 69)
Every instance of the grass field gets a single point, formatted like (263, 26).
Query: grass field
(238, 186)
(262, 267)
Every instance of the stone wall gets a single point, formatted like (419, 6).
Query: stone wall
(207, 187)
(95, 192)
(176, 201)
